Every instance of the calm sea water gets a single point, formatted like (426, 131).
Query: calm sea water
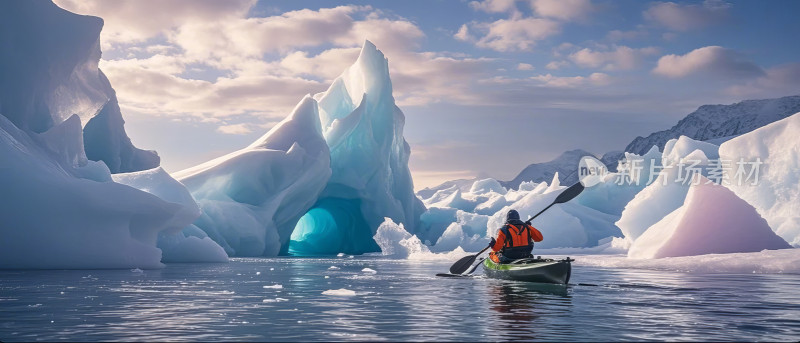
(403, 300)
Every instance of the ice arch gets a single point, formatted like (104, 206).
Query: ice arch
(333, 225)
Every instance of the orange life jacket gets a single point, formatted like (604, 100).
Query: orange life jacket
(517, 236)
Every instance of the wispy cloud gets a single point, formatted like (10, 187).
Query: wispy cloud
(687, 17)
(714, 60)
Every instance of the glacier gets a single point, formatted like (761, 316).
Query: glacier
(320, 182)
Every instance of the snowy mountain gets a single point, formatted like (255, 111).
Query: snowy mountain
(566, 165)
(718, 121)
(320, 182)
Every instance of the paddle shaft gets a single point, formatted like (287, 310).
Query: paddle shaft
(540, 212)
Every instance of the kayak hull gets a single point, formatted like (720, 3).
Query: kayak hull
(531, 270)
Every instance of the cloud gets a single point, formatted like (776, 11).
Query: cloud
(235, 129)
(150, 87)
(328, 64)
(234, 44)
(556, 65)
(254, 37)
(494, 6)
(714, 60)
(562, 9)
(525, 66)
(136, 21)
(598, 79)
(777, 81)
(687, 17)
(463, 34)
(620, 58)
(516, 34)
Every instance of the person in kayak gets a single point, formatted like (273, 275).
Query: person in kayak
(514, 240)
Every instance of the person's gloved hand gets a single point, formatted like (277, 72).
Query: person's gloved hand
(493, 242)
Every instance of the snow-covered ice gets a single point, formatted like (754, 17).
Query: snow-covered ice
(340, 292)
(712, 220)
(682, 157)
(776, 192)
(252, 198)
(783, 261)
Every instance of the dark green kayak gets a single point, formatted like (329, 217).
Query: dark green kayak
(531, 270)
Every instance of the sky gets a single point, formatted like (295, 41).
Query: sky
(487, 87)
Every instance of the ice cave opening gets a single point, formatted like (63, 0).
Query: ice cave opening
(332, 226)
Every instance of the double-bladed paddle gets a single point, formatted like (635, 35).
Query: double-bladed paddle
(568, 194)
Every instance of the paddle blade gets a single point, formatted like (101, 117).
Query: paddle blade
(463, 264)
(569, 193)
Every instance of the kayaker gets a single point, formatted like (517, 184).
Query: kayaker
(514, 240)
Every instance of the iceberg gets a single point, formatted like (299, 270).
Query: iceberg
(252, 198)
(320, 182)
(712, 220)
(60, 206)
(370, 179)
(177, 242)
(682, 157)
(54, 219)
(48, 72)
(765, 172)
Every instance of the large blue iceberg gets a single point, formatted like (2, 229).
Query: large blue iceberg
(320, 182)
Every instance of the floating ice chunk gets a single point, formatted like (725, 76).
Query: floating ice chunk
(491, 206)
(340, 292)
(333, 268)
(275, 286)
(395, 241)
(457, 201)
(435, 221)
(712, 220)
(684, 147)
(486, 186)
(276, 300)
(369, 271)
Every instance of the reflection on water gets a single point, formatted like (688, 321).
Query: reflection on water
(281, 299)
